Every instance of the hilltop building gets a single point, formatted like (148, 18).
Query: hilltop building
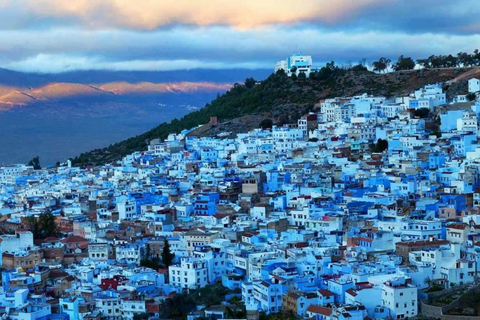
(295, 64)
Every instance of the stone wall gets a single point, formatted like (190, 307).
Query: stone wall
(437, 312)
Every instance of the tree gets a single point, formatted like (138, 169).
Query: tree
(35, 163)
(141, 316)
(471, 96)
(424, 63)
(152, 263)
(381, 65)
(422, 113)
(359, 68)
(302, 76)
(266, 124)
(250, 83)
(380, 146)
(44, 226)
(167, 255)
(48, 226)
(404, 63)
(32, 223)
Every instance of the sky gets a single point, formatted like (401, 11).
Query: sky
(52, 36)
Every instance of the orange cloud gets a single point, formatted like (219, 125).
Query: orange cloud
(151, 14)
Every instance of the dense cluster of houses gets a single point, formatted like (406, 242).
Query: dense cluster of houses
(310, 218)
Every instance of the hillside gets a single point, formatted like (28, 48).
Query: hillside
(280, 98)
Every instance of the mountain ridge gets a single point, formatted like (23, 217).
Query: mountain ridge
(11, 97)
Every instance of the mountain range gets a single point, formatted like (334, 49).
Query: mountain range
(21, 89)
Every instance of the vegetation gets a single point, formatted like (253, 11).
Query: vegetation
(422, 113)
(35, 163)
(404, 63)
(380, 146)
(381, 65)
(266, 124)
(180, 305)
(151, 262)
(177, 307)
(141, 316)
(434, 287)
(450, 61)
(471, 96)
(44, 226)
(284, 315)
(167, 255)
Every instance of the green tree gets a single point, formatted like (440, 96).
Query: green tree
(141, 316)
(152, 263)
(266, 124)
(32, 224)
(471, 96)
(167, 255)
(359, 68)
(424, 63)
(44, 226)
(422, 113)
(381, 65)
(380, 146)
(250, 83)
(46, 222)
(302, 76)
(35, 163)
(404, 63)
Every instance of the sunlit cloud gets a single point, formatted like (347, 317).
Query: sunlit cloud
(152, 14)
(60, 35)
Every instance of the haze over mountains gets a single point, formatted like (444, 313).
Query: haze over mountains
(57, 116)
(20, 89)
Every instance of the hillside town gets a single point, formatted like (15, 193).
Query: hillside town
(359, 210)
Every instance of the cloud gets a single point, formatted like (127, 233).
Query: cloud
(54, 63)
(152, 14)
(411, 16)
(60, 35)
(210, 47)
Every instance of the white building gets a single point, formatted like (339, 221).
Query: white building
(473, 85)
(108, 306)
(400, 298)
(131, 253)
(126, 210)
(130, 307)
(21, 241)
(433, 93)
(467, 123)
(9, 173)
(295, 64)
(190, 274)
(98, 251)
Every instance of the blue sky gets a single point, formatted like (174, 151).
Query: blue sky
(58, 35)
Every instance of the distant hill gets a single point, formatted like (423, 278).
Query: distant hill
(281, 99)
(15, 97)
(20, 89)
(25, 80)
